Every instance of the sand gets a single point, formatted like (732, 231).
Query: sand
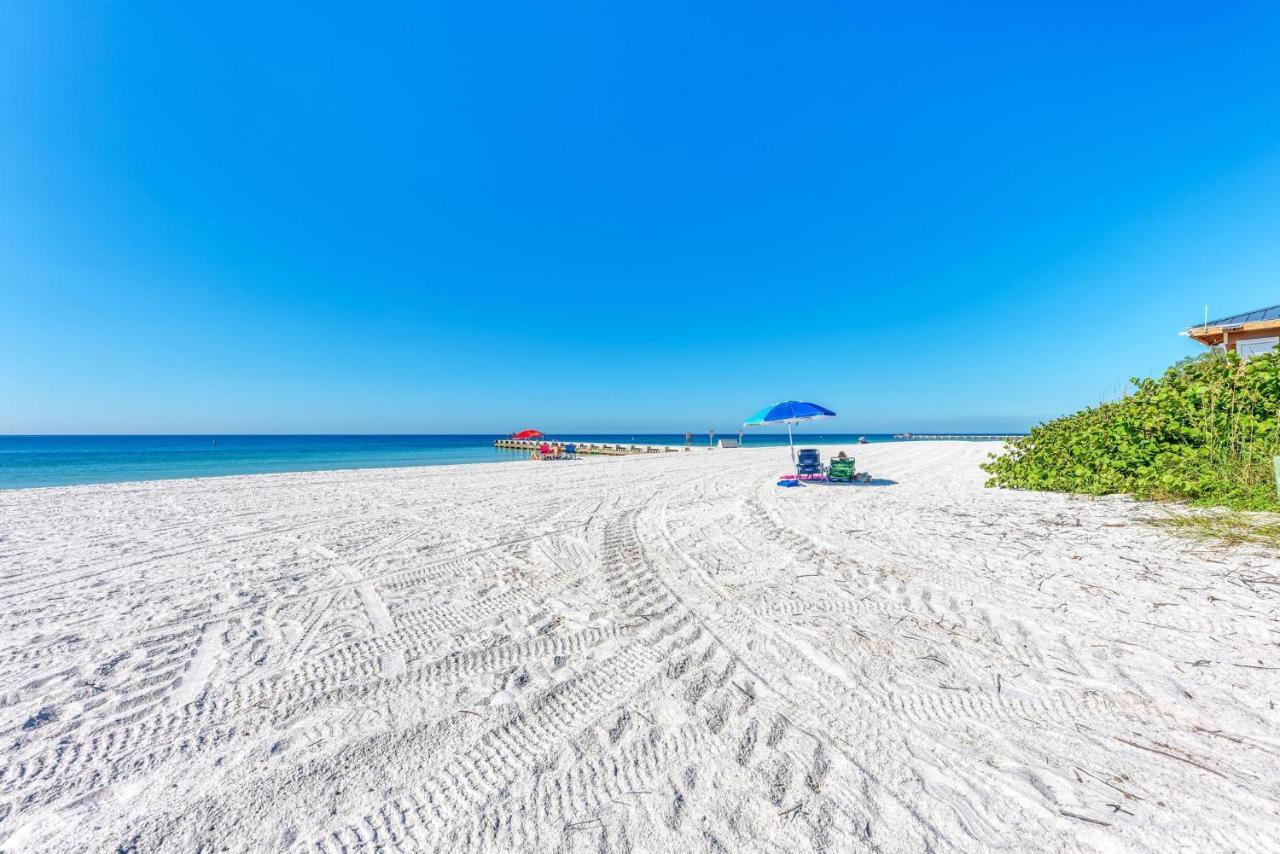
(663, 653)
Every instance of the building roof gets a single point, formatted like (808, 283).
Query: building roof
(1271, 312)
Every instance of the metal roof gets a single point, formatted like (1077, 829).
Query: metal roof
(1271, 312)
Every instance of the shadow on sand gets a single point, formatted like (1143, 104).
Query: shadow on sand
(875, 481)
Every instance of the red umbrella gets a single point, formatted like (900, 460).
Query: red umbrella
(527, 434)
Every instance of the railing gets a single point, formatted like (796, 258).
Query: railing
(973, 436)
(596, 448)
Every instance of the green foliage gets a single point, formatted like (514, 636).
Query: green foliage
(1206, 431)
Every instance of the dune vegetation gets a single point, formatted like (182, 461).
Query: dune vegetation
(1205, 432)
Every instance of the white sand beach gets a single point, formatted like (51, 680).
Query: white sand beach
(664, 653)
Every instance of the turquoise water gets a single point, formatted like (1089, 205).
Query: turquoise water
(27, 461)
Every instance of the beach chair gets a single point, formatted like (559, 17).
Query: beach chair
(840, 469)
(809, 465)
(571, 451)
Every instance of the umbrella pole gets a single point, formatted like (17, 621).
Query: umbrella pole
(792, 443)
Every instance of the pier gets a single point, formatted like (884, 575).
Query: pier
(1001, 437)
(611, 450)
(593, 448)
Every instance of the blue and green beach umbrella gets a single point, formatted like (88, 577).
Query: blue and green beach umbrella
(788, 412)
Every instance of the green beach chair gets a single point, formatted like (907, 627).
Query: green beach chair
(840, 470)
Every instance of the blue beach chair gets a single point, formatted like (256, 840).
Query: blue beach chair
(809, 464)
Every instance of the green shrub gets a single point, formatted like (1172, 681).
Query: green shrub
(1206, 431)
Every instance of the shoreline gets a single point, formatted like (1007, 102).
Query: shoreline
(852, 449)
(407, 469)
(52, 461)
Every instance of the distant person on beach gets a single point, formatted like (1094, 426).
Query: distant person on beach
(688, 439)
(711, 438)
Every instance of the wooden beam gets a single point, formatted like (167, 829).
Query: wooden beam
(1213, 335)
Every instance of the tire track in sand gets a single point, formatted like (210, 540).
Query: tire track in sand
(391, 661)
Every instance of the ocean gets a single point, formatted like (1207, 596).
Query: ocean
(30, 461)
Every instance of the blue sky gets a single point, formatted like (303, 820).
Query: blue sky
(620, 216)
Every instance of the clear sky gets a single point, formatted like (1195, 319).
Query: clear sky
(614, 216)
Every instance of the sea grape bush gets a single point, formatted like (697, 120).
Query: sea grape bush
(1206, 431)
